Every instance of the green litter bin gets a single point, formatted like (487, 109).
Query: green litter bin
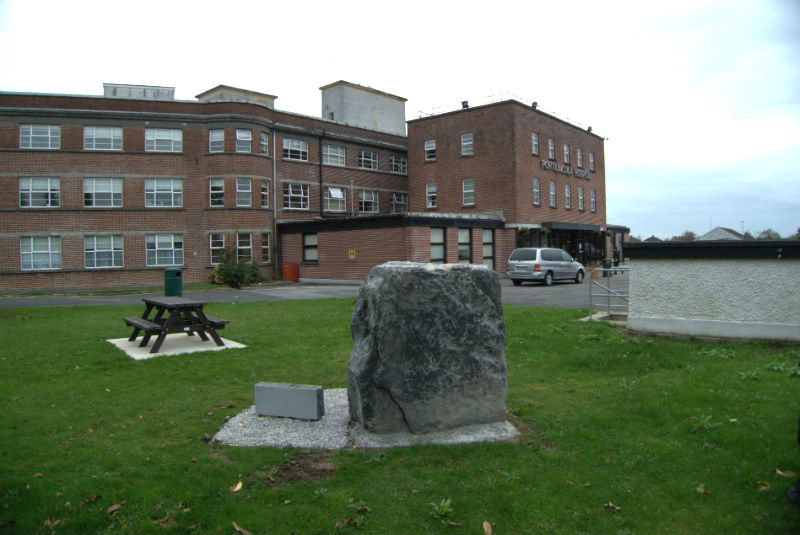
(173, 282)
(607, 267)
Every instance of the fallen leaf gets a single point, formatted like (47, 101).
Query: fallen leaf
(107, 390)
(612, 507)
(455, 524)
(91, 499)
(487, 527)
(240, 424)
(114, 508)
(287, 502)
(237, 487)
(703, 490)
(193, 526)
(240, 530)
(764, 486)
(206, 437)
(781, 473)
(37, 474)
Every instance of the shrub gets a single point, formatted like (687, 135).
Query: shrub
(233, 272)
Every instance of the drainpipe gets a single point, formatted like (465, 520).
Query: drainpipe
(278, 252)
(321, 195)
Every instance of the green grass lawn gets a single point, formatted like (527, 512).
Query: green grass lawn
(622, 434)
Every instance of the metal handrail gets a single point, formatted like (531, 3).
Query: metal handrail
(608, 292)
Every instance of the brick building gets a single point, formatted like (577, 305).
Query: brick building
(106, 191)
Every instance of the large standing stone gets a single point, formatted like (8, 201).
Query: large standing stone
(429, 349)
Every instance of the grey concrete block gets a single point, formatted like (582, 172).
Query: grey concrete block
(304, 402)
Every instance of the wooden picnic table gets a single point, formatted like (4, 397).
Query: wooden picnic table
(174, 315)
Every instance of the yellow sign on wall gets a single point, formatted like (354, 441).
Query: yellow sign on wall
(351, 254)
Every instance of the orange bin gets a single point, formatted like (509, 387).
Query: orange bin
(291, 272)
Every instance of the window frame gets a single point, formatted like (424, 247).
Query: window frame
(244, 247)
(399, 200)
(367, 159)
(333, 203)
(594, 201)
(293, 200)
(568, 196)
(116, 251)
(579, 158)
(244, 193)
(490, 244)
(265, 247)
(591, 161)
(431, 195)
(334, 155)
(52, 195)
(580, 199)
(176, 253)
(216, 247)
(295, 149)
(27, 136)
(218, 144)
(244, 140)
(464, 246)
(264, 143)
(537, 192)
(368, 205)
(171, 143)
(438, 244)
(53, 253)
(175, 194)
(553, 195)
(264, 193)
(398, 164)
(310, 243)
(535, 143)
(551, 148)
(115, 191)
(114, 138)
(468, 192)
(216, 192)
(566, 153)
(467, 144)
(430, 150)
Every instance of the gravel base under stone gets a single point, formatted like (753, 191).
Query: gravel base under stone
(331, 431)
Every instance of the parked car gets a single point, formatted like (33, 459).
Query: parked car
(543, 264)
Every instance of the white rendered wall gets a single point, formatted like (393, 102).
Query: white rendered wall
(738, 298)
(364, 109)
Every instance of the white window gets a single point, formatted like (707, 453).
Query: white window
(367, 159)
(217, 247)
(566, 153)
(567, 197)
(437, 245)
(580, 199)
(335, 199)
(39, 192)
(368, 201)
(244, 192)
(164, 249)
(310, 247)
(333, 155)
(535, 144)
(398, 164)
(244, 247)
(552, 194)
(265, 247)
(163, 140)
(594, 201)
(295, 196)
(551, 149)
(163, 193)
(536, 192)
(430, 149)
(216, 140)
(430, 195)
(40, 252)
(264, 143)
(265, 194)
(102, 192)
(464, 246)
(102, 251)
(591, 161)
(39, 136)
(467, 147)
(102, 138)
(399, 203)
(488, 248)
(468, 192)
(216, 192)
(244, 139)
(580, 158)
(295, 149)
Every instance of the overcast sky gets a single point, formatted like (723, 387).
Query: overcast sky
(699, 100)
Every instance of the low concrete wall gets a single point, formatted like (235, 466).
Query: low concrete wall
(747, 290)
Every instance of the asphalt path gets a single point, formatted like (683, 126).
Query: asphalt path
(559, 295)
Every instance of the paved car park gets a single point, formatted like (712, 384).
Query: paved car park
(559, 295)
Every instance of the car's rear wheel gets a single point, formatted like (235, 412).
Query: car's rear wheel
(548, 278)
(579, 277)
(516, 282)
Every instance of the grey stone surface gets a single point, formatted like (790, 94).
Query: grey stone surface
(289, 400)
(429, 350)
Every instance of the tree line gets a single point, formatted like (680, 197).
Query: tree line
(766, 234)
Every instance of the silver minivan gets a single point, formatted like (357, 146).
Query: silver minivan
(543, 264)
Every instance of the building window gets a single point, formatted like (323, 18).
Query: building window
(552, 194)
(164, 249)
(216, 192)
(368, 201)
(437, 245)
(265, 194)
(430, 195)
(163, 140)
(567, 196)
(333, 155)
(295, 149)
(468, 192)
(399, 203)
(264, 143)
(39, 136)
(488, 248)
(566, 153)
(334, 199)
(163, 193)
(244, 247)
(40, 252)
(102, 138)
(244, 192)
(102, 251)
(467, 147)
(102, 192)
(580, 158)
(430, 150)
(265, 247)
(551, 149)
(244, 140)
(295, 196)
(310, 249)
(580, 199)
(398, 164)
(367, 159)
(591, 161)
(535, 144)
(216, 244)
(536, 192)
(594, 201)
(216, 140)
(464, 246)
(39, 192)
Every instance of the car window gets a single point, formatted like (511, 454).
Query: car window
(523, 254)
(566, 256)
(551, 255)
